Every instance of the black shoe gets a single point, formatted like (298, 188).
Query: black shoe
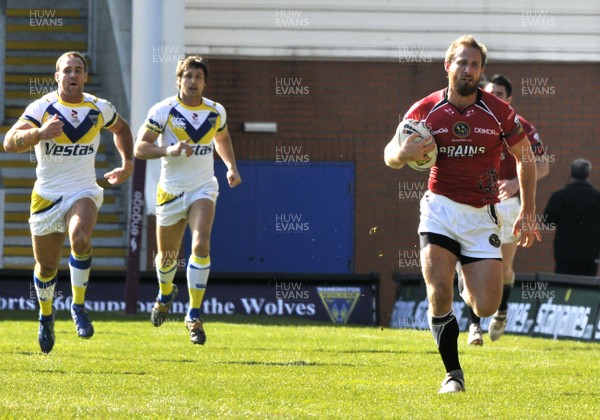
(159, 312)
(194, 326)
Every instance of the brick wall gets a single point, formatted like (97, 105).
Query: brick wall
(348, 111)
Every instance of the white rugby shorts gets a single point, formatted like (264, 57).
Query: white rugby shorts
(508, 211)
(48, 211)
(172, 207)
(476, 229)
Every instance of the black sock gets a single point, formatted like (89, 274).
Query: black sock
(445, 332)
(505, 296)
(474, 318)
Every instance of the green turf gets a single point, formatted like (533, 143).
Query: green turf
(131, 369)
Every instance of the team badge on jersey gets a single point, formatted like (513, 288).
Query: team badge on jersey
(178, 123)
(461, 129)
(495, 240)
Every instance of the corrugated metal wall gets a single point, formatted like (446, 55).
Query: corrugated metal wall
(551, 30)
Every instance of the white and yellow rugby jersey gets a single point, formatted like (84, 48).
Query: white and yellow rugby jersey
(197, 125)
(66, 164)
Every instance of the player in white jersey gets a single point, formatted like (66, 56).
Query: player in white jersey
(183, 131)
(64, 129)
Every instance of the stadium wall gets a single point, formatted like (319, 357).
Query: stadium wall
(331, 298)
(541, 305)
(348, 111)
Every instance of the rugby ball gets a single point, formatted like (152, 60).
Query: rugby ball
(408, 127)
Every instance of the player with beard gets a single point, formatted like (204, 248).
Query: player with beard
(458, 219)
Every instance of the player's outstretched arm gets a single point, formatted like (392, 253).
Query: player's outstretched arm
(526, 224)
(224, 148)
(124, 143)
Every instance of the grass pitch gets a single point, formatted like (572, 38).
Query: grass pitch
(256, 367)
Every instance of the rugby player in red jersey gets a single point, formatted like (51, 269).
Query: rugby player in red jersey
(458, 220)
(508, 209)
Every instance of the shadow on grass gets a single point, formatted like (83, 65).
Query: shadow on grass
(290, 363)
(104, 372)
(386, 351)
(175, 361)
